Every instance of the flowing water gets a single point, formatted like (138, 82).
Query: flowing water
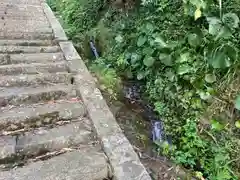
(142, 127)
(139, 123)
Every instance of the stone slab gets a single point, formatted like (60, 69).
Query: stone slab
(22, 14)
(29, 49)
(55, 139)
(10, 6)
(22, 2)
(49, 113)
(12, 16)
(20, 9)
(37, 80)
(25, 36)
(24, 28)
(26, 43)
(84, 164)
(27, 95)
(28, 23)
(35, 58)
(34, 68)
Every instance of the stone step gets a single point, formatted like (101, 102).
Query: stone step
(29, 49)
(37, 115)
(35, 80)
(29, 16)
(55, 139)
(34, 68)
(22, 2)
(26, 43)
(24, 29)
(30, 58)
(84, 164)
(18, 9)
(24, 23)
(26, 26)
(40, 141)
(28, 95)
(22, 12)
(25, 36)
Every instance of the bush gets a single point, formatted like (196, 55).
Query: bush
(186, 54)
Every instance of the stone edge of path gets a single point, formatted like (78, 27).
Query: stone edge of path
(123, 159)
(59, 33)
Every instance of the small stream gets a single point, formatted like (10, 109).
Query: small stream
(142, 127)
(138, 121)
(132, 91)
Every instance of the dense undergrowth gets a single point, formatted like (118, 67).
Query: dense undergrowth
(187, 54)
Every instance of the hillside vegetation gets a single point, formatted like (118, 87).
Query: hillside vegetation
(186, 53)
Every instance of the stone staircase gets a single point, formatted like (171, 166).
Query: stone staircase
(47, 130)
(41, 117)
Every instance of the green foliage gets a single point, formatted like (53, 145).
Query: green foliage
(107, 77)
(80, 15)
(192, 146)
(201, 154)
(216, 125)
(186, 53)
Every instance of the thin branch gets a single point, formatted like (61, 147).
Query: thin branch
(220, 8)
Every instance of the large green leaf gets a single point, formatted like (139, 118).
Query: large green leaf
(148, 51)
(185, 57)
(150, 28)
(199, 3)
(204, 95)
(231, 20)
(215, 25)
(166, 59)
(217, 29)
(160, 41)
(230, 52)
(170, 75)
(222, 57)
(194, 40)
(224, 33)
(216, 125)
(148, 61)
(183, 69)
(237, 103)
(220, 61)
(141, 40)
